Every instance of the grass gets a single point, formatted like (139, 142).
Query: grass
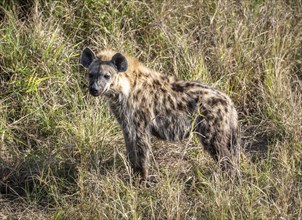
(62, 154)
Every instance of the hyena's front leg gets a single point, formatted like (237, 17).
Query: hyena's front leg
(138, 147)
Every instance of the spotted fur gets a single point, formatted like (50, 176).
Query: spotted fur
(147, 103)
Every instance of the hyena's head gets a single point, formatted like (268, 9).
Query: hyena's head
(102, 74)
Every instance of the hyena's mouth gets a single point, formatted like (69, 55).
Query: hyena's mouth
(96, 92)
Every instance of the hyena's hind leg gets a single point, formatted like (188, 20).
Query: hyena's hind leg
(217, 142)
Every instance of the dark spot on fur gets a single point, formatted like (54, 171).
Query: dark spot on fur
(225, 121)
(156, 82)
(155, 133)
(140, 118)
(145, 85)
(163, 90)
(226, 109)
(203, 111)
(168, 111)
(139, 74)
(217, 101)
(156, 99)
(138, 91)
(203, 92)
(171, 101)
(192, 104)
(221, 118)
(177, 87)
(190, 84)
(216, 121)
(219, 112)
(163, 77)
(135, 97)
(166, 123)
(156, 112)
(187, 84)
(134, 83)
(181, 106)
(209, 143)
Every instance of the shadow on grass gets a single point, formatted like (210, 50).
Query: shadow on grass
(255, 144)
(22, 7)
(33, 178)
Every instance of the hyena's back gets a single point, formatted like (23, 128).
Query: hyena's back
(182, 107)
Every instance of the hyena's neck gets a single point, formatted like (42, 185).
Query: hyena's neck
(118, 105)
(117, 97)
(122, 85)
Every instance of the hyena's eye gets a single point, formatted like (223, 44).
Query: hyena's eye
(107, 76)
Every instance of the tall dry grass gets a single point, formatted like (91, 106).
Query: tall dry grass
(62, 154)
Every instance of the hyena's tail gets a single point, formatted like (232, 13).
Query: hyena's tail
(234, 147)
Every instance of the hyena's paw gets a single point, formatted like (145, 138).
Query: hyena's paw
(150, 181)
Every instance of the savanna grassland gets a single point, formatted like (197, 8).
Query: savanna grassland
(62, 154)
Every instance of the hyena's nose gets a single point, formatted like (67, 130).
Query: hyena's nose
(93, 91)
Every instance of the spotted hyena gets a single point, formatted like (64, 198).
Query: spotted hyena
(147, 103)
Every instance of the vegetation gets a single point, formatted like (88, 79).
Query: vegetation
(62, 154)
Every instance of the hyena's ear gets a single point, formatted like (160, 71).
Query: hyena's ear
(87, 57)
(120, 62)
